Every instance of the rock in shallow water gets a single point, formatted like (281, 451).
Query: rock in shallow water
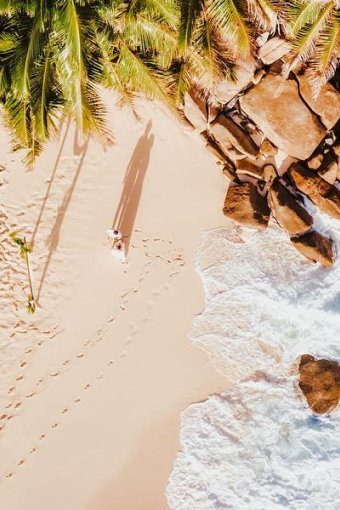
(245, 205)
(324, 195)
(316, 248)
(320, 383)
(287, 210)
(276, 107)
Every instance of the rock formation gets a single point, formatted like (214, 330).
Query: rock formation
(288, 212)
(244, 204)
(315, 247)
(319, 381)
(254, 129)
(275, 106)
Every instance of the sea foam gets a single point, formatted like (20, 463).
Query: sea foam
(258, 446)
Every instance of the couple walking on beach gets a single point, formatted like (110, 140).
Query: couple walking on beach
(121, 230)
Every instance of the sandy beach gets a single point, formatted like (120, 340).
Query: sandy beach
(92, 385)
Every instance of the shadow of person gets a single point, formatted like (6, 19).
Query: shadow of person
(133, 185)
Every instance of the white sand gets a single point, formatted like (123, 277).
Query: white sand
(94, 383)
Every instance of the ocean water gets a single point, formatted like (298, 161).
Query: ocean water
(258, 446)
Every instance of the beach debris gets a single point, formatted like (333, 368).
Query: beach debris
(244, 204)
(25, 250)
(319, 381)
(289, 213)
(316, 247)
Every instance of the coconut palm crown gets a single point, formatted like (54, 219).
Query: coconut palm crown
(54, 54)
(314, 29)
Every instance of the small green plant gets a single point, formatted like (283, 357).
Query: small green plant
(25, 250)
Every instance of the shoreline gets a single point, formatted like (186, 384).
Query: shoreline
(103, 334)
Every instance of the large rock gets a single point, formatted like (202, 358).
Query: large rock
(323, 194)
(226, 90)
(274, 49)
(195, 110)
(319, 381)
(326, 104)
(275, 106)
(287, 210)
(245, 205)
(316, 248)
(226, 131)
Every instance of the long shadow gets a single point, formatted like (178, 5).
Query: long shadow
(133, 185)
(53, 239)
(50, 184)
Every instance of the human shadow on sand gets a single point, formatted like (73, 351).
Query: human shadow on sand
(133, 185)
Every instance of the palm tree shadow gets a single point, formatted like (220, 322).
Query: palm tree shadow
(53, 238)
(41, 213)
(133, 186)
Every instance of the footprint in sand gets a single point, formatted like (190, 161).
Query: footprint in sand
(110, 363)
(21, 462)
(77, 400)
(54, 425)
(87, 386)
(43, 436)
(19, 378)
(55, 374)
(30, 395)
(33, 450)
(80, 355)
(65, 410)
(10, 475)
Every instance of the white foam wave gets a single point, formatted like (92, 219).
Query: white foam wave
(258, 446)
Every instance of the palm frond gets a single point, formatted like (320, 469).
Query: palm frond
(229, 18)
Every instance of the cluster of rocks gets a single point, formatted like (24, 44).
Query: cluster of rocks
(319, 381)
(261, 118)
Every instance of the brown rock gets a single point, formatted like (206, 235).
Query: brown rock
(329, 168)
(319, 381)
(274, 49)
(327, 103)
(287, 210)
(247, 168)
(275, 106)
(235, 155)
(245, 205)
(269, 173)
(323, 194)
(315, 247)
(268, 149)
(225, 130)
(336, 149)
(229, 171)
(227, 90)
(315, 162)
(213, 147)
(195, 110)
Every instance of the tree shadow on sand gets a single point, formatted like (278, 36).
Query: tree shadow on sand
(53, 238)
(133, 185)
